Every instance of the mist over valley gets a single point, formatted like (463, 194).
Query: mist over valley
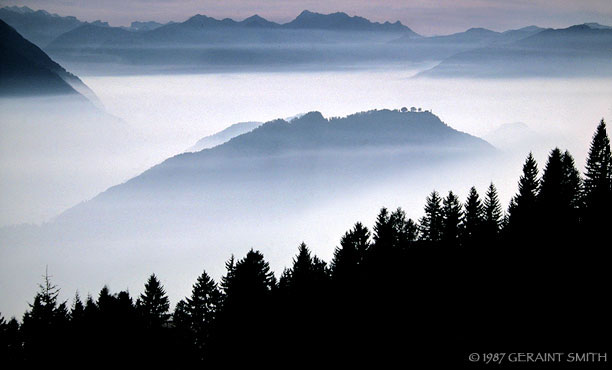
(168, 148)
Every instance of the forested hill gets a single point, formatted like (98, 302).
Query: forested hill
(362, 144)
(464, 285)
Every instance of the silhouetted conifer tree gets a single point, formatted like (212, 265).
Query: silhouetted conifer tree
(153, 304)
(598, 182)
(473, 219)
(493, 215)
(571, 183)
(405, 231)
(522, 212)
(44, 325)
(308, 274)
(383, 231)
(197, 313)
(347, 264)
(451, 220)
(77, 313)
(431, 224)
(245, 317)
(226, 280)
(559, 197)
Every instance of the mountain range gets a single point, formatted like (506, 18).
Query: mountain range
(312, 41)
(581, 50)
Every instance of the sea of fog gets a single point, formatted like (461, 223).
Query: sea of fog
(174, 111)
(166, 114)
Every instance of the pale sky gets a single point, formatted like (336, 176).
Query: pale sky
(427, 17)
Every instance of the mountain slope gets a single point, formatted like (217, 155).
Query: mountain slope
(26, 70)
(310, 152)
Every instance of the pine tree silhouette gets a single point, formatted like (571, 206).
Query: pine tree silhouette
(153, 304)
(598, 183)
(451, 220)
(246, 313)
(44, 325)
(493, 216)
(197, 313)
(473, 219)
(347, 263)
(522, 212)
(432, 223)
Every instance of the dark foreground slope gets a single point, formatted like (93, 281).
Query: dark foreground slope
(54, 137)
(26, 70)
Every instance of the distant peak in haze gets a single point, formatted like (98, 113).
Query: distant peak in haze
(597, 26)
(257, 21)
(19, 9)
(480, 30)
(314, 116)
(342, 21)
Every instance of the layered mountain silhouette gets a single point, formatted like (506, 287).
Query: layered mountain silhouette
(442, 47)
(580, 50)
(26, 70)
(201, 29)
(202, 42)
(344, 22)
(314, 40)
(40, 27)
(308, 157)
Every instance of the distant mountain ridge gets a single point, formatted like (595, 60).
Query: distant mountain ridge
(579, 50)
(39, 26)
(342, 21)
(202, 29)
(320, 41)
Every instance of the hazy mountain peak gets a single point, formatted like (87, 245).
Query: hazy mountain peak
(480, 30)
(144, 26)
(597, 26)
(258, 21)
(310, 117)
(341, 21)
(19, 9)
(200, 20)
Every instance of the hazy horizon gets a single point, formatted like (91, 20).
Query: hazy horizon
(425, 18)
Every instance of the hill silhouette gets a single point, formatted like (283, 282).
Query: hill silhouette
(299, 162)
